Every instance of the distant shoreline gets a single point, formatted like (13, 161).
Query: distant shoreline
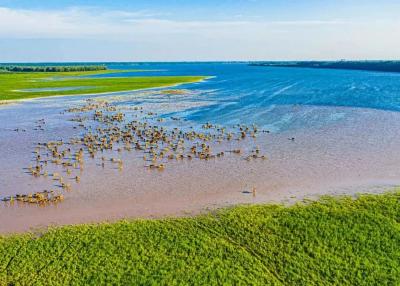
(381, 66)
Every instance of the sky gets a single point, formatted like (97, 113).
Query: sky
(183, 30)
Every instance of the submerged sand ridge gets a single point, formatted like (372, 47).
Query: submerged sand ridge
(358, 155)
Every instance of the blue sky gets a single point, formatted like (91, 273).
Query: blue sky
(178, 30)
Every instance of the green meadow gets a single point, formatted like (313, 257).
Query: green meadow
(19, 85)
(335, 241)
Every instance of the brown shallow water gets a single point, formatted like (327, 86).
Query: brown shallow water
(360, 154)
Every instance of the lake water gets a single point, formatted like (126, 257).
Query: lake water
(240, 93)
(345, 123)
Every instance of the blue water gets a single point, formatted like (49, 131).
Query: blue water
(279, 98)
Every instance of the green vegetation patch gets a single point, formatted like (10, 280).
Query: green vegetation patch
(331, 242)
(21, 85)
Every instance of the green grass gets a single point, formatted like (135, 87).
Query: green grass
(331, 242)
(11, 84)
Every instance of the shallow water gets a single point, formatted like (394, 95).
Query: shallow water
(345, 125)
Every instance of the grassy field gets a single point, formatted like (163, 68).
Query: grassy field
(13, 84)
(331, 242)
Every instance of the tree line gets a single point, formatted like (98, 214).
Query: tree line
(51, 68)
(384, 66)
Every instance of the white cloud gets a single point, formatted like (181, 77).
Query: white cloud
(150, 36)
(83, 22)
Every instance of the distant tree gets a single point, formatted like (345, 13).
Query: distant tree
(25, 68)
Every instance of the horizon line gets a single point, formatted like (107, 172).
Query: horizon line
(199, 61)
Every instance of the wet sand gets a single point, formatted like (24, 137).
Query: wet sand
(360, 154)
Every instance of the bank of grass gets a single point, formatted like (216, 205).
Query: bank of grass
(13, 84)
(330, 242)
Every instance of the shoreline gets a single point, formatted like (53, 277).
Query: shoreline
(311, 238)
(206, 210)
